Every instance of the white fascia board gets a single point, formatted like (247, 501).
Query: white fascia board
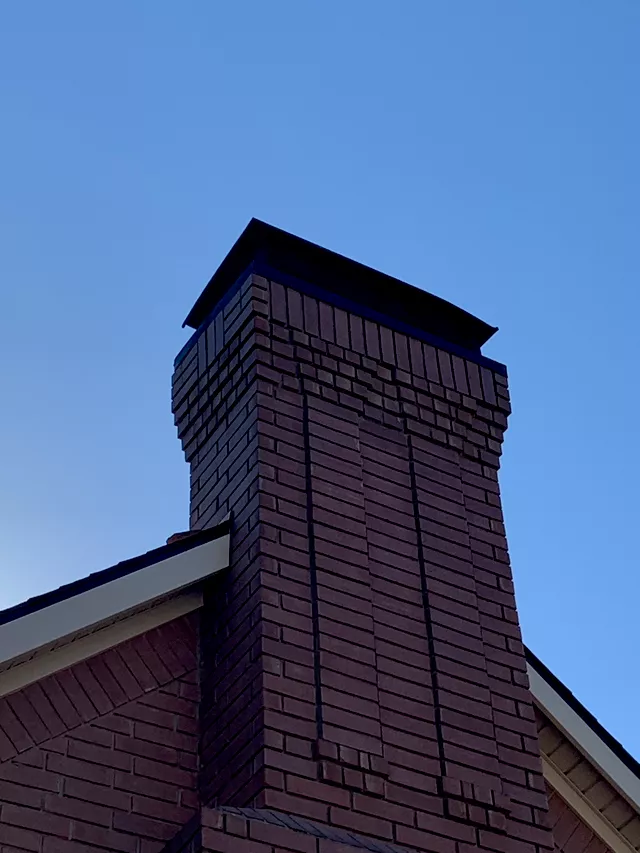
(102, 638)
(108, 601)
(584, 738)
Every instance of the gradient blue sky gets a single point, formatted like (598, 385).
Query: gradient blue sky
(486, 151)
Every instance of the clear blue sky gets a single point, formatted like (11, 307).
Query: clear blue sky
(487, 151)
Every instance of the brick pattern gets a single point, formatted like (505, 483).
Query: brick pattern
(362, 661)
(188, 839)
(215, 404)
(103, 755)
(243, 829)
(570, 834)
(265, 831)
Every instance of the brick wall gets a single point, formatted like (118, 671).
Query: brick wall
(362, 662)
(215, 402)
(570, 834)
(103, 755)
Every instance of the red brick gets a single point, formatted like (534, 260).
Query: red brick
(104, 677)
(149, 807)
(96, 794)
(143, 827)
(92, 687)
(38, 821)
(78, 809)
(156, 770)
(292, 804)
(13, 728)
(425, 841)
(143, 712)
(282, 837)
(104, 838)
(23, 711)
(94, 754)
(217, 842)
(147, 786)
(78, 698)
(18, 838)
(11, 792)
(314, 790)
(365, 824)
(30, 777)
(371, 489)
(151, 659)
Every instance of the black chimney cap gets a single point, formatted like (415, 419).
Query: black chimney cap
(274, 253)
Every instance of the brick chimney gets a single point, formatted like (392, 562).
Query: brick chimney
(363, 677)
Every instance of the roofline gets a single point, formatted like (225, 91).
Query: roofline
(264, 245)
(38, 666)
(583, 729)
(49, 621)
(126, 567)
(584, 809)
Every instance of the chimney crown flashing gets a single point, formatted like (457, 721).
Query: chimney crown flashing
(266, 250)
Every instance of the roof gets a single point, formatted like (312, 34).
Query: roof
(120, 570)
(61, 623)
(584, 764)
(586, 716)
(272, 252)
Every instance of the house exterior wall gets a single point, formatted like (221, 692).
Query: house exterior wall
(592, 788)
(362, 660)
(570, 834)
(103, 755)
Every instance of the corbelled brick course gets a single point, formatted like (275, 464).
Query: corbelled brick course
(362, 662)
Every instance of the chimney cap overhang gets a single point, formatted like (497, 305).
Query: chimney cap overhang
(269, 251)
